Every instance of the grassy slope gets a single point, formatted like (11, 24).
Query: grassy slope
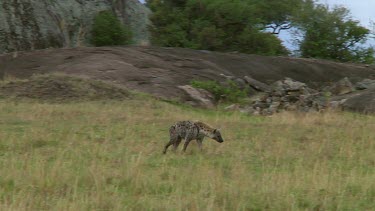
(107, 156)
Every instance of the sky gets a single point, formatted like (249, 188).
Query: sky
(362, 10)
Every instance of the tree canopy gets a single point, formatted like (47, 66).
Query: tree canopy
(251, 26)
(333, 34)
(219, 25)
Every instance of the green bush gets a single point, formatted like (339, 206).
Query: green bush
(108, 30)
(230, 92)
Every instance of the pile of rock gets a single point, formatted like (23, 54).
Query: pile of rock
(289, 95)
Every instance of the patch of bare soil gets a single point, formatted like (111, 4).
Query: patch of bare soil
(61, 88)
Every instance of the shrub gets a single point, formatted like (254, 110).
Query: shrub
(230, 92)
(108, 30)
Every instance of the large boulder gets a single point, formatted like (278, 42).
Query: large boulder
(365, 84)
(257, 85)
(291, 85)
(198, 97)
(37, 24)
(344, 86)
(363, 101)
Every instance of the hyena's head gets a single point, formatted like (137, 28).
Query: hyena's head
(216, 135)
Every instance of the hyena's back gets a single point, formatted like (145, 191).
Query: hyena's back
(184, 130)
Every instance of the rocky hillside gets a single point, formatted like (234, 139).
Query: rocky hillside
(38, 24)
(166, 72)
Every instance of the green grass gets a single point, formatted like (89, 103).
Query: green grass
(108, 156)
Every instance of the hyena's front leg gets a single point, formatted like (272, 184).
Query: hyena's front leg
(199, 142)
(187, 141)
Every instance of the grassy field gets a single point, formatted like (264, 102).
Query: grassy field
(108, 156)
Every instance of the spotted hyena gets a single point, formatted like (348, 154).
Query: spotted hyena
(189, 130)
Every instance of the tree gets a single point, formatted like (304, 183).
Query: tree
(278, 15)
(108, 30)
(333, 34)
(219, 25)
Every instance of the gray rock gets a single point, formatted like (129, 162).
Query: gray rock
(228, 77)
(201, 97)
(257, 111)
(288, 85)
(257, 85)
(261, 105)
(240, 83)
(274, 107)
(363, 101)
(344, 86)
(365, 84)
(292, 85)
(233, 107)
(248, 110)
(336, 104)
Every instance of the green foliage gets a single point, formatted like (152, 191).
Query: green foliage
(108, 30)
(249, 26)
(333, 34)
(218, 25)
(278, 15)
(228, 93)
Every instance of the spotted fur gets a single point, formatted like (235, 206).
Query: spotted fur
(189, 130)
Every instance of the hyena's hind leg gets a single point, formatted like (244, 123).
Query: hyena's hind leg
(167, 145)
(176, 143)
(172, 140)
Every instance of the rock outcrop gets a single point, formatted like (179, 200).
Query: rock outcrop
(38, 24)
